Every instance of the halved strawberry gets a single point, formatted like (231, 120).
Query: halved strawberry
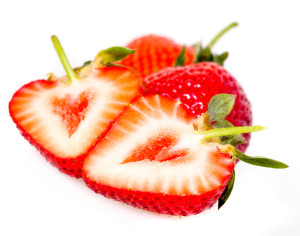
(158, 158)
(152, 159)
(66, 117)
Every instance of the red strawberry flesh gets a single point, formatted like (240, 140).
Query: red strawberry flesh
(157, 148)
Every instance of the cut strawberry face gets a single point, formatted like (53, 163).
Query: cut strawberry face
(65, 120)
(153, 152)
(156, 157)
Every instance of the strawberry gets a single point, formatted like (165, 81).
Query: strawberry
(154, 53)
(65, 117)
(194, 85)
(158, 158)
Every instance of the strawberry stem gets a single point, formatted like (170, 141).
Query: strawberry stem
(229, 131)
(64, 60)
(221, 33)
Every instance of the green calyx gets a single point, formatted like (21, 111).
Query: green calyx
(108, 56)
(180, 60)
(205, 53)
(64, 60)
(218, 108)
(213, 124)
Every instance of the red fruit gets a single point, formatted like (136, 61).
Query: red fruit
(153, 159)
(65, 119)
(154, 53)
(194, 85)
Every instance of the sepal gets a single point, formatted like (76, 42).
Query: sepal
(260, 161)
(205, 54)
(108, 56)
(180, 60)
(226, 194)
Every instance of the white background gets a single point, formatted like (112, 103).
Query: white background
(36, 199)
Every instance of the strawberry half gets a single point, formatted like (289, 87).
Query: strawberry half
(158, 158)
(152, 159)
(65, 117)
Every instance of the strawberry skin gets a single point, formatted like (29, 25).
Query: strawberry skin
(64, 122)
(154, 53)
(152, 159)
(194, 85)
(170, 204)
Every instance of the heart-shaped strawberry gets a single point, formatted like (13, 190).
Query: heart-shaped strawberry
(65, 117)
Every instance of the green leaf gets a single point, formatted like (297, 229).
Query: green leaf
(180, 60)
(112, 54)
(204, 55)
(198, 48)
(225, 195)
(220, 106)
(86, 63)
(78, 69)
(260, 161)
(234, 140)
(220, 58)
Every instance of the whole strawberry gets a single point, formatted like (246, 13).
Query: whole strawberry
(154, 53)
(195, 84)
